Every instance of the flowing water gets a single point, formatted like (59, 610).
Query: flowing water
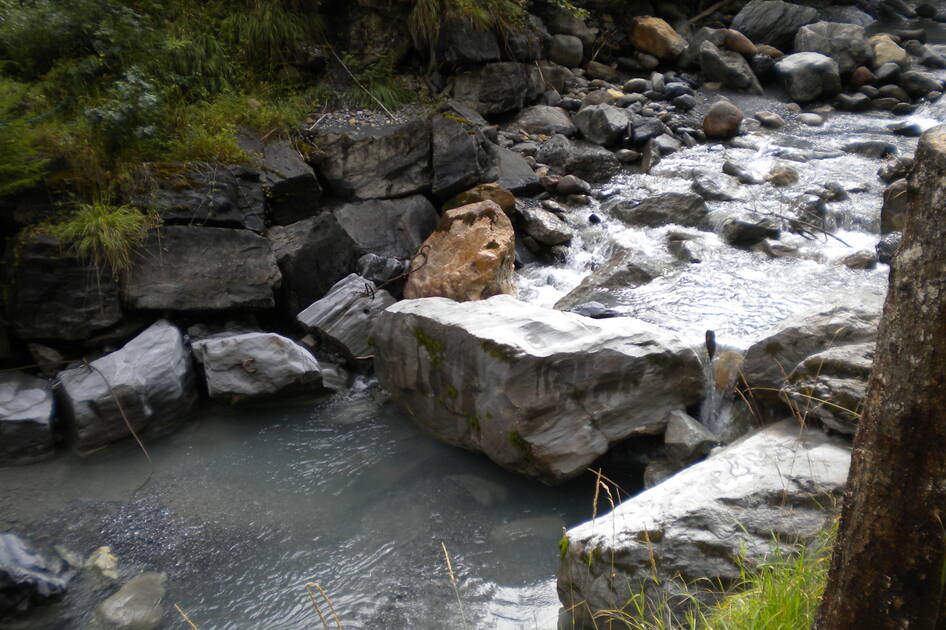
(247, 505)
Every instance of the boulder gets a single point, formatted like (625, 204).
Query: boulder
(312, 255)
(26, 417)
(773, 22)
(527, 41)
(722, 120)
(654, 36)
(601, 71)
(781, 175)
(457, 157)
(741, 173)
(544, 226)
(830, 386)
(566, 50)
(27, 578)
(148, 384)
(602, 124)
(566, 23)
(255, 365)
(484, 192)
(344, 318)
(625, 269)
(292, 189)
(727, 67)
(136, 605)
(717, 187)
(886, 50)
(473, 383)
(183, 268)
(498, 88)
(459, 43)
(545, 120)
(896, 208)
(875, 149)
(510, 171)
(686, 439)
(815, 329)
(584, 159)
(57, 296)
(845, 43)
(691, 56)
(375, 162)
(748, 231)
(808, 76)
(706, 522)
(686, 209)
(737, 42)
(919, 84)
(392, 228)
(203, 195)
(470, 256)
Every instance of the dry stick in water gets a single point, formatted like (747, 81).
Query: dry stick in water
(181, 612)
(453, 580)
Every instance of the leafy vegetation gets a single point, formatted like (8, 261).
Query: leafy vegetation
(20, 163)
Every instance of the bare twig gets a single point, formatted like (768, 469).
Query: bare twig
(358, 83)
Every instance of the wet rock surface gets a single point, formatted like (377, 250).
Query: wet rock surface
(26, 418)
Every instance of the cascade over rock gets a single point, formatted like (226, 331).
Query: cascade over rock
(539, 391)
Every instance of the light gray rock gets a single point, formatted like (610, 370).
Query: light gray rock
(542, 119)
(602, 124)
(773, 22)
(781, 481)
(375, 162)
(183, 268)
(255, 365)
(392, 228)
(717, 187)
(845, 43)
(544, 226)
(26, 415)
(151, 378)
(498, 88)
(344, 318)
(136, 605)
(808, 76)
(566, 50)
(830, 386)
(539, 391)
(727, 67)
(685, 438)
(574, 157)
(686, 209)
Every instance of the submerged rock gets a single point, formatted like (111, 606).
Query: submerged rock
(149, 384)
(26, 416)
(686, 209)
(27, 578)
(781, 481)
(584, 159)
(625, 269)
(136, 605)
(539, 391)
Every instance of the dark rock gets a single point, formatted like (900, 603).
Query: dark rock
(457, 158)
(566, 50)
(529, 41)
(594, 310)
(588, 161)
(545, 120)
(722, 120)
(896, 208)
(27, 578)
(869, 91)
(598, 70)
(544, 226)
(741, 173)
(862, 76)
(746, 233)
(773, 22)
(895, 92)
(393, 228)
(26, 416)
(853, 102)
(685, 102)
(625, 269)
(183, 268)
(643, 129)
(388, 161)
(637, 86)
(601, 124)
(871, 148)
(887, 247)
(845, 43)
(312, 255)
(717, 187)
(564, 23)
(895, 169)
(763, 67)
(691, 56)
(727, 67)
(498, 88)
(148, 384)
(291, 187)
(380, 270)
(926, 10)
(885, 104)
(686, 209)
(460, 43)
(919, 83)
(888, 74)
(809, 76)
(572, 185)
(511, 171)
(56, 296)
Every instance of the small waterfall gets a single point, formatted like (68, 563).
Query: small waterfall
(720, 375)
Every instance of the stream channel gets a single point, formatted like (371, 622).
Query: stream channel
(247, 505)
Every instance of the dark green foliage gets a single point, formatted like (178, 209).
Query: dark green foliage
(20, 163)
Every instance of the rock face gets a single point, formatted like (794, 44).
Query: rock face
(722, 120)
(136, 605)
(312, 255)
(809, 76)
(539, 391)
(588, 161)
(845, 43)
(470, 256)
(773, 22)
(184, 268)
(830, 386)
(217, 196)
(497, 88)
(727, 67)
(457, 158)
(344, 318)
(255, 365)
(55, 296)
(458, 43)
(26, 414)
(654, 36)
(151, 377)
(392, 228)
(387, 161)
(695, 525)
(686, 209)
(291, 187)
(26, 577)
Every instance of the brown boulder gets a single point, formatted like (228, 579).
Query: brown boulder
(470, 256)
(653, 35)
(736, 41)
(771, 51)
(782, 175)
(483, 192)
(722, 120)
(862, 76)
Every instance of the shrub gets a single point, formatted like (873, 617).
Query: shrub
(20, 163)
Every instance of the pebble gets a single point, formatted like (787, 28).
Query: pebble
(812, 120)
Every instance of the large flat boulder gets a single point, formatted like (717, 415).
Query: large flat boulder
(781, 481)
(312, 255)
(773, 22)
(256, 365)
(183, 268)
(391, 228)
(539, 391)
(56, 296)
(26, 418)
(375, 162)
(151, 379)
(498, 88)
